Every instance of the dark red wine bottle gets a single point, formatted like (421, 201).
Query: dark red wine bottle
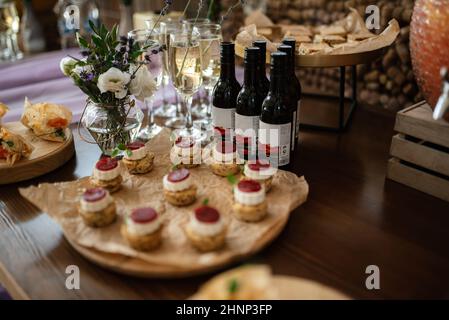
(292, 43)
(275, 124)
(264, 83)
(292, 93)
(249, 107)
(224, 96)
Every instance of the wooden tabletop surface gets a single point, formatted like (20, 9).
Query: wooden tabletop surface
(353, 218)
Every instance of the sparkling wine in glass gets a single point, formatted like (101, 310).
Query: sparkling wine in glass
(186, 74)
(210, 38)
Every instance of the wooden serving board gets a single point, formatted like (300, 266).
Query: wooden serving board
(140, 268)
(46, 156)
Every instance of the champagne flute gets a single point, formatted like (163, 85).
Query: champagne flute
(210, 38)
(170, 110)
(188, 25)
(153, 57)
(185, 72)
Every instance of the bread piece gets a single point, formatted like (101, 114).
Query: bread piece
(329, 39)
(142, 243)
(101, 218)
(224, 169)
(181, 198)
(296, 30)
(332, 30)
(140, 166)
(48, 121)
(312, 48)
(250, 213)
(205, 243)
(13, 147)
(299, 38)
(110, 185)
(3, 110)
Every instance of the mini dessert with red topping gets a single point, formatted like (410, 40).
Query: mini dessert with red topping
(206, 229)
(249, 201)
(260, 170)
(97, 207)
(224, 159)
(186, 153)
(107, 174)
(143, 229)
(138, 159)
(179, 189)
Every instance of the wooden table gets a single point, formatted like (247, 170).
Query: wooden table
(353, 218)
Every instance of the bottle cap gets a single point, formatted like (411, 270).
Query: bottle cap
(261, 44)
(278, 61)
(289, 42)
(227, 49)
(286, 48)
(252, 55)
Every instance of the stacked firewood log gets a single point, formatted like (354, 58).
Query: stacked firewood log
(388, 82)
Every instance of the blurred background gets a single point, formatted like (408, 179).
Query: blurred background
(385, 84)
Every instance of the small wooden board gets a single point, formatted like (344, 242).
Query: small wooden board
(46, 157)
(421, 152)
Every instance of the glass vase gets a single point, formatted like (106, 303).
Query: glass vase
(110, 126)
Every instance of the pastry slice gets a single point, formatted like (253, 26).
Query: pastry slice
(249, 282)
(3, 110)
(48, 121)
(13, 147)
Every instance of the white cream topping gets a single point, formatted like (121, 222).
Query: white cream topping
(107, 175)
(137, 154)
(143, 229)
(179, 159)
(177, 186)
(187, 152)
(261, 174)
(206, 229)
(249, 198)
(96, 206)
(224, 157)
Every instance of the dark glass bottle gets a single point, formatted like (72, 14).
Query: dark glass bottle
(264, 83)
(292, 43)
(225, 93)
(292, 93)
(275, 124)
(249, 107)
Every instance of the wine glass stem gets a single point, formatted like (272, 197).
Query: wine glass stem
(165, 82)
(209, 91)
(149, 111)
(188, 101)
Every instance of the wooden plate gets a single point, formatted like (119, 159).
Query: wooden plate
(140, 268)
(46, 157)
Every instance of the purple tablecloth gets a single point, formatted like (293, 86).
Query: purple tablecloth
(40, 79)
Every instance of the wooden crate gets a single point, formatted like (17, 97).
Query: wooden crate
(420, 152)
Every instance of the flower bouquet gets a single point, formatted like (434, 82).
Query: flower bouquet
(110, 72)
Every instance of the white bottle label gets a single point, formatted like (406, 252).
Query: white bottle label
(246, 131)
(223, 120)
(297, 118)
(274, 141)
